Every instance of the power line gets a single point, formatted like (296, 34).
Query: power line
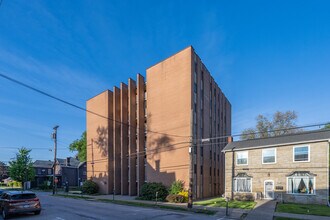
(269, 131)
(79, 107)
(148, 152)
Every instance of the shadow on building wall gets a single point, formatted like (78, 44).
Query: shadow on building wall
(162, 148)
(157, 176)
(158, 145)
(101, 141)
(99, 163)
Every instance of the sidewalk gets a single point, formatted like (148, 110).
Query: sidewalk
(220, 211)
(264, 210)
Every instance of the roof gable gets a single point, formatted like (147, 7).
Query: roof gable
(303, 137)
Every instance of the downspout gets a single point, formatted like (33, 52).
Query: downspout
(230, 139)
(329, 173)
(78, 177)
(232, 174)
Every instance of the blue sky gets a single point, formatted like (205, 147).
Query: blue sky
(265, 55)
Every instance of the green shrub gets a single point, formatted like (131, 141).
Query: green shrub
(89, 187)
(176, 187)
(148, 191)
(184, 193)
(46, 185)
(175, 198)
(244, 197)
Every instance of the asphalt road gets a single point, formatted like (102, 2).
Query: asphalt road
(59, 208)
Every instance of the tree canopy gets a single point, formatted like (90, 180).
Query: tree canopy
(21, 169)
(281, 123)
(80, 146)
(3, 170)
(327, 126)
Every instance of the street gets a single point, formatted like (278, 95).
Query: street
(58, 208)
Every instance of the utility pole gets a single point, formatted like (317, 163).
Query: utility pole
(55, 151)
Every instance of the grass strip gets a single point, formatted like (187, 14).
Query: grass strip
(310, 209)
(221, 202)
(284, 218)
(141, 204)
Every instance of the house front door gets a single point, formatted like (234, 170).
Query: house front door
(269, 189)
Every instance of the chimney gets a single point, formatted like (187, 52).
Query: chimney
(230, 139)
(68, 161)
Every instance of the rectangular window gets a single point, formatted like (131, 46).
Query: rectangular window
(242, 158)
(269, 156)
(201, 169)
(301, 185)
(301, 154)
(242, 184)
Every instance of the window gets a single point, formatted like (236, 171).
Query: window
(242, 183)
(301, 182)
(242, 158)
(301, 154)
(269, 156)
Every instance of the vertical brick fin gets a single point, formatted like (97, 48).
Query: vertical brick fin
(110, 142)
(124, 138)
(140, 131)
(116, 141)
(132, 137)
(99, 140)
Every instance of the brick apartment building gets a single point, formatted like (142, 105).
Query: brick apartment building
(141, 132)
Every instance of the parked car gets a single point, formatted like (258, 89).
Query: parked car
(1, 191)
(14, 202)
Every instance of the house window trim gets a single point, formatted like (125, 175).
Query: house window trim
(247, 159)
(309, 154)
(262, 156)
(235, 178)
(300, 194)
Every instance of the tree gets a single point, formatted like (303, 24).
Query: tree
(3, 170)
(327, 126)
(281, 123)
(80, 146)
(21, 169)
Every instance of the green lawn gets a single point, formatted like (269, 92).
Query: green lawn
(140, 204)
(284, 218)
(221, 202)
(10, 188)
(304, 209)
